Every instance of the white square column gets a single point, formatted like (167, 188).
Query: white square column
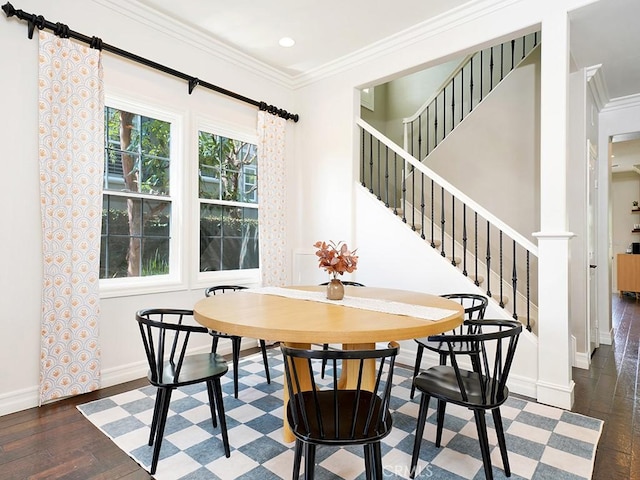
(555, 385)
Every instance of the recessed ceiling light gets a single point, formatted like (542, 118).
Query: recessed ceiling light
(287, 42)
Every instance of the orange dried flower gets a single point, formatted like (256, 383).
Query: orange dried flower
(336, 258)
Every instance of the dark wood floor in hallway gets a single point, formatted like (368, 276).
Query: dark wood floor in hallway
(609, 391)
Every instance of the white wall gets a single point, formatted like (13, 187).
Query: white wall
(20, 241)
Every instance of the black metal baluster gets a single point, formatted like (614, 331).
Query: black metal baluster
(435, 123)
(427, 129)
(386, 177)
(444, 113)
(475, 252)
(404, 191)
(514, 283)
(488, 259)
(500, 279)
(433, 243)
(528, 296)
(395, 183)
(501, 61)
(491, 71)
(422, 179)
(442, 222)
(462, 94)
(411, 145)
(513, 54)
(464, 239)
(453, 231)
(471, 85)
(378, 165)
(413, 198)
(371, 163)
(453, 104)
(481, 75)
(419, 157)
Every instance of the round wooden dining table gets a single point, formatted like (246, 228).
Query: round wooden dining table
(300, 322)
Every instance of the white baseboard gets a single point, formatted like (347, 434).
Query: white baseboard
(555, 395)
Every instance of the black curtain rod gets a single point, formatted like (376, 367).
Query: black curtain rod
(63, 31)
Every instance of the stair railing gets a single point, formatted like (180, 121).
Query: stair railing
(462, 91)
(462, 230)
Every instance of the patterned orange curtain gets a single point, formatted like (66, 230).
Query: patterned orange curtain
(272, 199)
(71, 151)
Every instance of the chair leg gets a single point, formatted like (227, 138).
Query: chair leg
(497, 421)
(263, 347)
(162, 421)
(156, 413)
(235, 354)
(212, 404)
(442, 405)
(217, 392)
(481, 426)
(309, 461)
(416, 368)
(422, 418)
(297, 457)
(368, 461)
(377, 460)
(325, 346)
(214, 343)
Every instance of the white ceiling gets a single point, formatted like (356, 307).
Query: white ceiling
(323, 30)
(605, 32)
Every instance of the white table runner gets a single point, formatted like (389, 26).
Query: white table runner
(373, 304)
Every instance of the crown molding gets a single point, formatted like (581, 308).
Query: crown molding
(196, 38)
(597, 85)
(397, 42)
(620, 103)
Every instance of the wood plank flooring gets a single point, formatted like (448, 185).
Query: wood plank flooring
(57, 442)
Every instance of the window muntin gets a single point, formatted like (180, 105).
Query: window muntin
(137, 206)
(228, 195)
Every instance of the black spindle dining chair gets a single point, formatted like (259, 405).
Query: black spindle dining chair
(165, 338)
(491, 348)
(321, 413)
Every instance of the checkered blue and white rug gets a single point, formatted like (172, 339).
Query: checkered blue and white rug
(543, 442)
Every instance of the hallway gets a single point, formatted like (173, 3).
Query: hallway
(609, 391)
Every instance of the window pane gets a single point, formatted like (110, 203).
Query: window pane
(228, 169)
(228, 238)
(136, 231)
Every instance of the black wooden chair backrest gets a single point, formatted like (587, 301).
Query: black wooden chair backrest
(165, 338)
(475, 306)
(222, 289)
(324, 413)
(492, 347)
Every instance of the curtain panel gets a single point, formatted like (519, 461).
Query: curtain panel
(71, 158)
(272, 197)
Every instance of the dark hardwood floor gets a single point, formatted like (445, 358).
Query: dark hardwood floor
(609, 391)
(56, 442)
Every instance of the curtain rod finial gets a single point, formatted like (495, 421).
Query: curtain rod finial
(8, 9)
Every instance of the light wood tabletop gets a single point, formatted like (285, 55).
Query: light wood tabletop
(300, 323)
(288, 320)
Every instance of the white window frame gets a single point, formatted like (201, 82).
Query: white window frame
(119, 287)
(247, 277)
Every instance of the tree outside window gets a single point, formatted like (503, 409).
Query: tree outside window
(136, 214)
(228, 195)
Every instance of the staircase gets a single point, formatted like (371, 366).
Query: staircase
(492, 255)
